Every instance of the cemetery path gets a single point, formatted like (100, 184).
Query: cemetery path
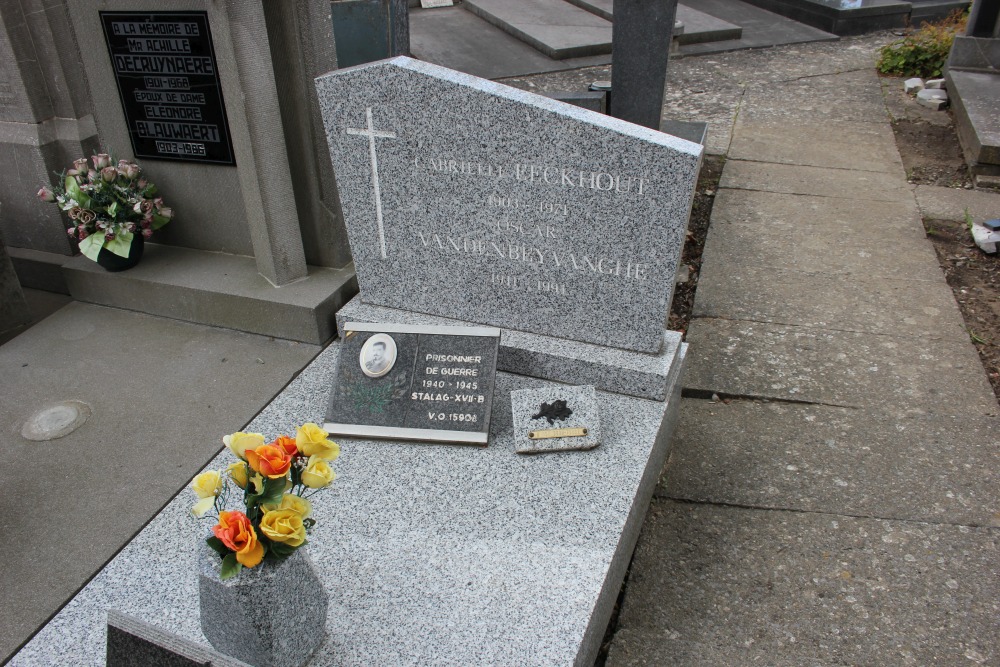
(832, 495)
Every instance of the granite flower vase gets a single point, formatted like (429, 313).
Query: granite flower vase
(271, 615)
(112, 262)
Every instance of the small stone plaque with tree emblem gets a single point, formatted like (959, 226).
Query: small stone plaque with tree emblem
(555, 419)
(405, 382)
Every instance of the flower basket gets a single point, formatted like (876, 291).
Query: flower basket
(112, 209)
(273, 615)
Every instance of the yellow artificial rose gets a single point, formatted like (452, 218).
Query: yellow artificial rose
(241, 442)
(238, 473)
(203, 506)
(207, 484)
(284, 526)
(317, 473)
(312, 441)
(290, 501)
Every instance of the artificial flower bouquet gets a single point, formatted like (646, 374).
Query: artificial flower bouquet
(277, 480)
(107, 204)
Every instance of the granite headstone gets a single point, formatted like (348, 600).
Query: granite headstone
(506, 208)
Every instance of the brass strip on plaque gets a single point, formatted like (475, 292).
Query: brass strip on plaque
(348, 334)
(557, 433)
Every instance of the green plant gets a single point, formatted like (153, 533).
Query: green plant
(922, 52)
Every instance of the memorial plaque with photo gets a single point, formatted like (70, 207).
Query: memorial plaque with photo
(168, 81)
(415, 383)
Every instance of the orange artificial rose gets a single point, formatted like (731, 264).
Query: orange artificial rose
(286, 443)
(269, 460)
(236, 532)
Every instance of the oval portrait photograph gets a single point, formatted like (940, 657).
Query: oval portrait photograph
(378, 355)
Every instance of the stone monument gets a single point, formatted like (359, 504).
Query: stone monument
(562, 226)
(45, 123)
(216, 102)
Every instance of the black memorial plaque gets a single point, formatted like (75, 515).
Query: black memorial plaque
(168, 82)
(415, 383)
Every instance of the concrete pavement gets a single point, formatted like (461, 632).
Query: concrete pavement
(162, 393)
(842, 506)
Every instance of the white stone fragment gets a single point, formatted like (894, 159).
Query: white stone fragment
(934, 84)
(985, 239)
(932, 94)
(933, 99)
(914, 85)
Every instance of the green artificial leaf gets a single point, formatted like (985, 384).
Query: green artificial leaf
(273, 490)
(279, 550)
(113, 210)
(121, 244)
(230, 567)
(74, 191)
(159, 221)
(91, 246)
(217, 545)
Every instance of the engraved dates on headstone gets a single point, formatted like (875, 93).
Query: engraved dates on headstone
(415, 383)
(506, 208)
(168, 81)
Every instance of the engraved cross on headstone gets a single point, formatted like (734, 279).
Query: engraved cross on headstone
(371, 133)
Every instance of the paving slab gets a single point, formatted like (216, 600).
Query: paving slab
(848, 96)
(817, 458)
(160, 393)
(791, 588)
(852, 221)
(854, 302)
(558, 29)
(942, 203)
(839, 368)
(835, 144)
(824, 251)
(794, 179)
(456, 38)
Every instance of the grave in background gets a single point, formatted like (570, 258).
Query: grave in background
(254, 210)
(974, 86)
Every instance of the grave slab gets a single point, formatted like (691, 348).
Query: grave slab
(132, 643)
(852, 302)
(422, 541)
(458, 39)
(794, 179)
(816, 458)
(504, 207)
(793, 588)
(835, 144)
(838, 368)
(217, 289)
(557, 29)
(608, 369)
(698, 26)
